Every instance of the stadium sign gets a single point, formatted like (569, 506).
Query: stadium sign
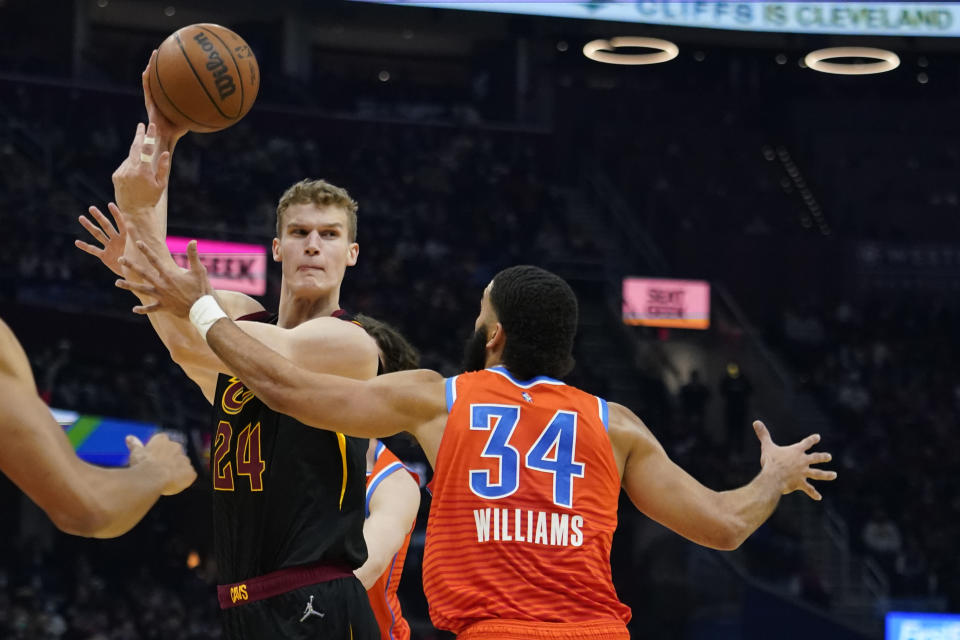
(940, 19)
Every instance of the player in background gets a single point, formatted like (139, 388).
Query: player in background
(288, 500)
(79, 498)
(527, 470)
(393, 499)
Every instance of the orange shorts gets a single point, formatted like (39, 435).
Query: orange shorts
(523, 630)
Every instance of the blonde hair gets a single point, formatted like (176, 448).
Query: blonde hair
(322, 194)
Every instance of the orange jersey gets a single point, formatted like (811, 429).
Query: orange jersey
(525, 492)
(383, 594)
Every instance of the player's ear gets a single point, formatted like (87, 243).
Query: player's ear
(276, 250)
(496, 337)
(353, 252)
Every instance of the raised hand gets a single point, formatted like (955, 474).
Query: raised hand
(167, 133)
(167, 458)
(173, 289)
(142, 177)
(791, 464)
(113, 239)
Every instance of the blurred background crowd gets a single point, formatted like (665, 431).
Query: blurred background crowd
(822, 210)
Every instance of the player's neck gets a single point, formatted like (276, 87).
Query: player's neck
(295, 310)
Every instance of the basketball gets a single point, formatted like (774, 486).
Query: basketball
(205, 78)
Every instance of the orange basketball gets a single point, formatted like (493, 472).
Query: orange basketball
(205, 77)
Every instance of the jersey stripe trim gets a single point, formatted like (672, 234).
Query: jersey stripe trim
(527, 383)
(377, 479)
(451, 392)
(386, 595)
(342, 441)
(378, 450)
(604, 413)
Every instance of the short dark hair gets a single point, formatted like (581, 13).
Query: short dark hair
(319, 193)
(538, 311)
(397, 354)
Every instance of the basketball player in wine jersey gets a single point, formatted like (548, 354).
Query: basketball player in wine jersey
(288, 500)
(527, 470)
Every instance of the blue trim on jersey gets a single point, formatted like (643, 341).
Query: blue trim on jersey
(451, 392)
(386, 590)
(395, 466)
(525, 384)
(604, 414)
(378, 450)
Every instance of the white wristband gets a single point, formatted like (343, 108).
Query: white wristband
(204, 313)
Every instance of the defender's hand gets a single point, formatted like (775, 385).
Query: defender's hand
(112, 239)
(791, 464)
(167, 458)
(173, 289)
(142, 177)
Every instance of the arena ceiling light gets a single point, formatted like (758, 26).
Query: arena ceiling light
(606, 50)
(883, 60)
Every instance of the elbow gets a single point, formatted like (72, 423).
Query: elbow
(371, 571)
(85, 519)
(730, 533)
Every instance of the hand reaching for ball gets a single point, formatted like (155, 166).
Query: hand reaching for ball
(168, 133)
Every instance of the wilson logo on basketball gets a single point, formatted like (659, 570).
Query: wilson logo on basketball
(224, 82)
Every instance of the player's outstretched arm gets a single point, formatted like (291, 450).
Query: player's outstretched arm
(411, 401)
(721, 520)
(197, 361)
(393, 510)
(140, 182)
(79, 498)
(166, 137)
(322, 345)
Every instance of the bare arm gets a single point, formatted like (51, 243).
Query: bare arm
(13, 360)
(382, 406)
(718, 519)
(141, 188)
(79, 498)
(393, 510)
(379, 407)
(186, 348)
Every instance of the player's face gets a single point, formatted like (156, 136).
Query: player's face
(314, 248)
(475, 350)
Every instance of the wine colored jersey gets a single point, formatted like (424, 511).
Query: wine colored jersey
(285, 494)
(383, 594)
(525, 492)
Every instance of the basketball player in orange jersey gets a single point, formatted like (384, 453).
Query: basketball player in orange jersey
(288, 500)
(79, 498)
(527, 470)
(393, 499)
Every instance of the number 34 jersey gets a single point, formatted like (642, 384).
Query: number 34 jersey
(525, 493)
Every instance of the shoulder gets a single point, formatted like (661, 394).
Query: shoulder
(333, 339)
(238, 305)
(335, 332)
(628, 433)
